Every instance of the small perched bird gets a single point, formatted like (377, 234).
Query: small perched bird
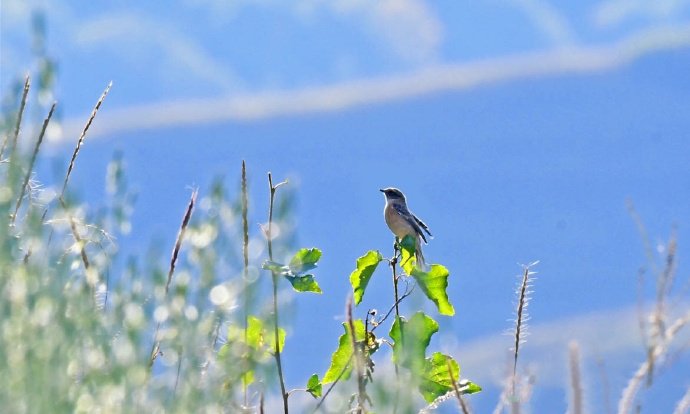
(402, 222)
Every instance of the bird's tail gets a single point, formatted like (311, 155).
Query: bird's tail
(419, 256)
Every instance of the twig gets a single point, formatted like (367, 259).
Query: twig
(173, 261)
(359, 359)
(463, 406)
(393, 262)
(337, 379)
(276, 348)
(245, 251)
(34, 154)
(20, 114)
(407, 293)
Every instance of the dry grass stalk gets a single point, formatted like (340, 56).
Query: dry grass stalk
(576, 404)
(658, 351)
(20, 114)
(173, 262)
(245, 252)
(180, 236)
(82, 136)
(32, 161)
(683, 406)
(521, 320)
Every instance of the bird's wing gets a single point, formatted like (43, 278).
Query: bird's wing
(411, 219)
(422, 225)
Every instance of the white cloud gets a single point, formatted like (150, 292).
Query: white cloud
(409, 28)
(548, 20)
(138, 37)
(350, 94)
(615, 12)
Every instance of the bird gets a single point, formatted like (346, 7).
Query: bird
(402, 222)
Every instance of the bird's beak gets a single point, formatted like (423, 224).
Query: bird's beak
(382, 190)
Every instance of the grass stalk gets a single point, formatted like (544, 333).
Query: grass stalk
(576, 406)
(171, 270)
(276, 347)
(658, 351)
(20, 114)
(32, 161)
(245, 252)
(82, 137)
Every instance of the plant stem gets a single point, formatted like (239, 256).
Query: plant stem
(245, 251)
(393, 262)
(276, 348)
(358, 360)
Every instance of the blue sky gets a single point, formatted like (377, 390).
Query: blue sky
(517, 129)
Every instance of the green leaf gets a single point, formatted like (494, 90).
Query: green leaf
(359, 279)
(304, 260)
(340, 361)
(275, 267)
(248, 377)
(411, 340)
(434, 284)
(469, 387)
(255, 332)
(314, 387)
(408, 247)
(436, 380)
(304, 283)
(260, 337)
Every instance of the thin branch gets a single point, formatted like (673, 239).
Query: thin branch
(359, 360)
(463, 406)
(393, 262)
(276, 348)
(337, 379)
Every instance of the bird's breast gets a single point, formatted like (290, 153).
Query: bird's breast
(398, 225)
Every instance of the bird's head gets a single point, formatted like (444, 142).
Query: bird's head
(392, 193)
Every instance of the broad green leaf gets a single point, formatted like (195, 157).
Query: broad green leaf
(408, 247)
(255, 332)
(304, 260)
(434, 284)
(436, 380)
(260, 337)
(359, 279)
(340, 361)
(314, 387)
(304, 283)
(411, 340)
